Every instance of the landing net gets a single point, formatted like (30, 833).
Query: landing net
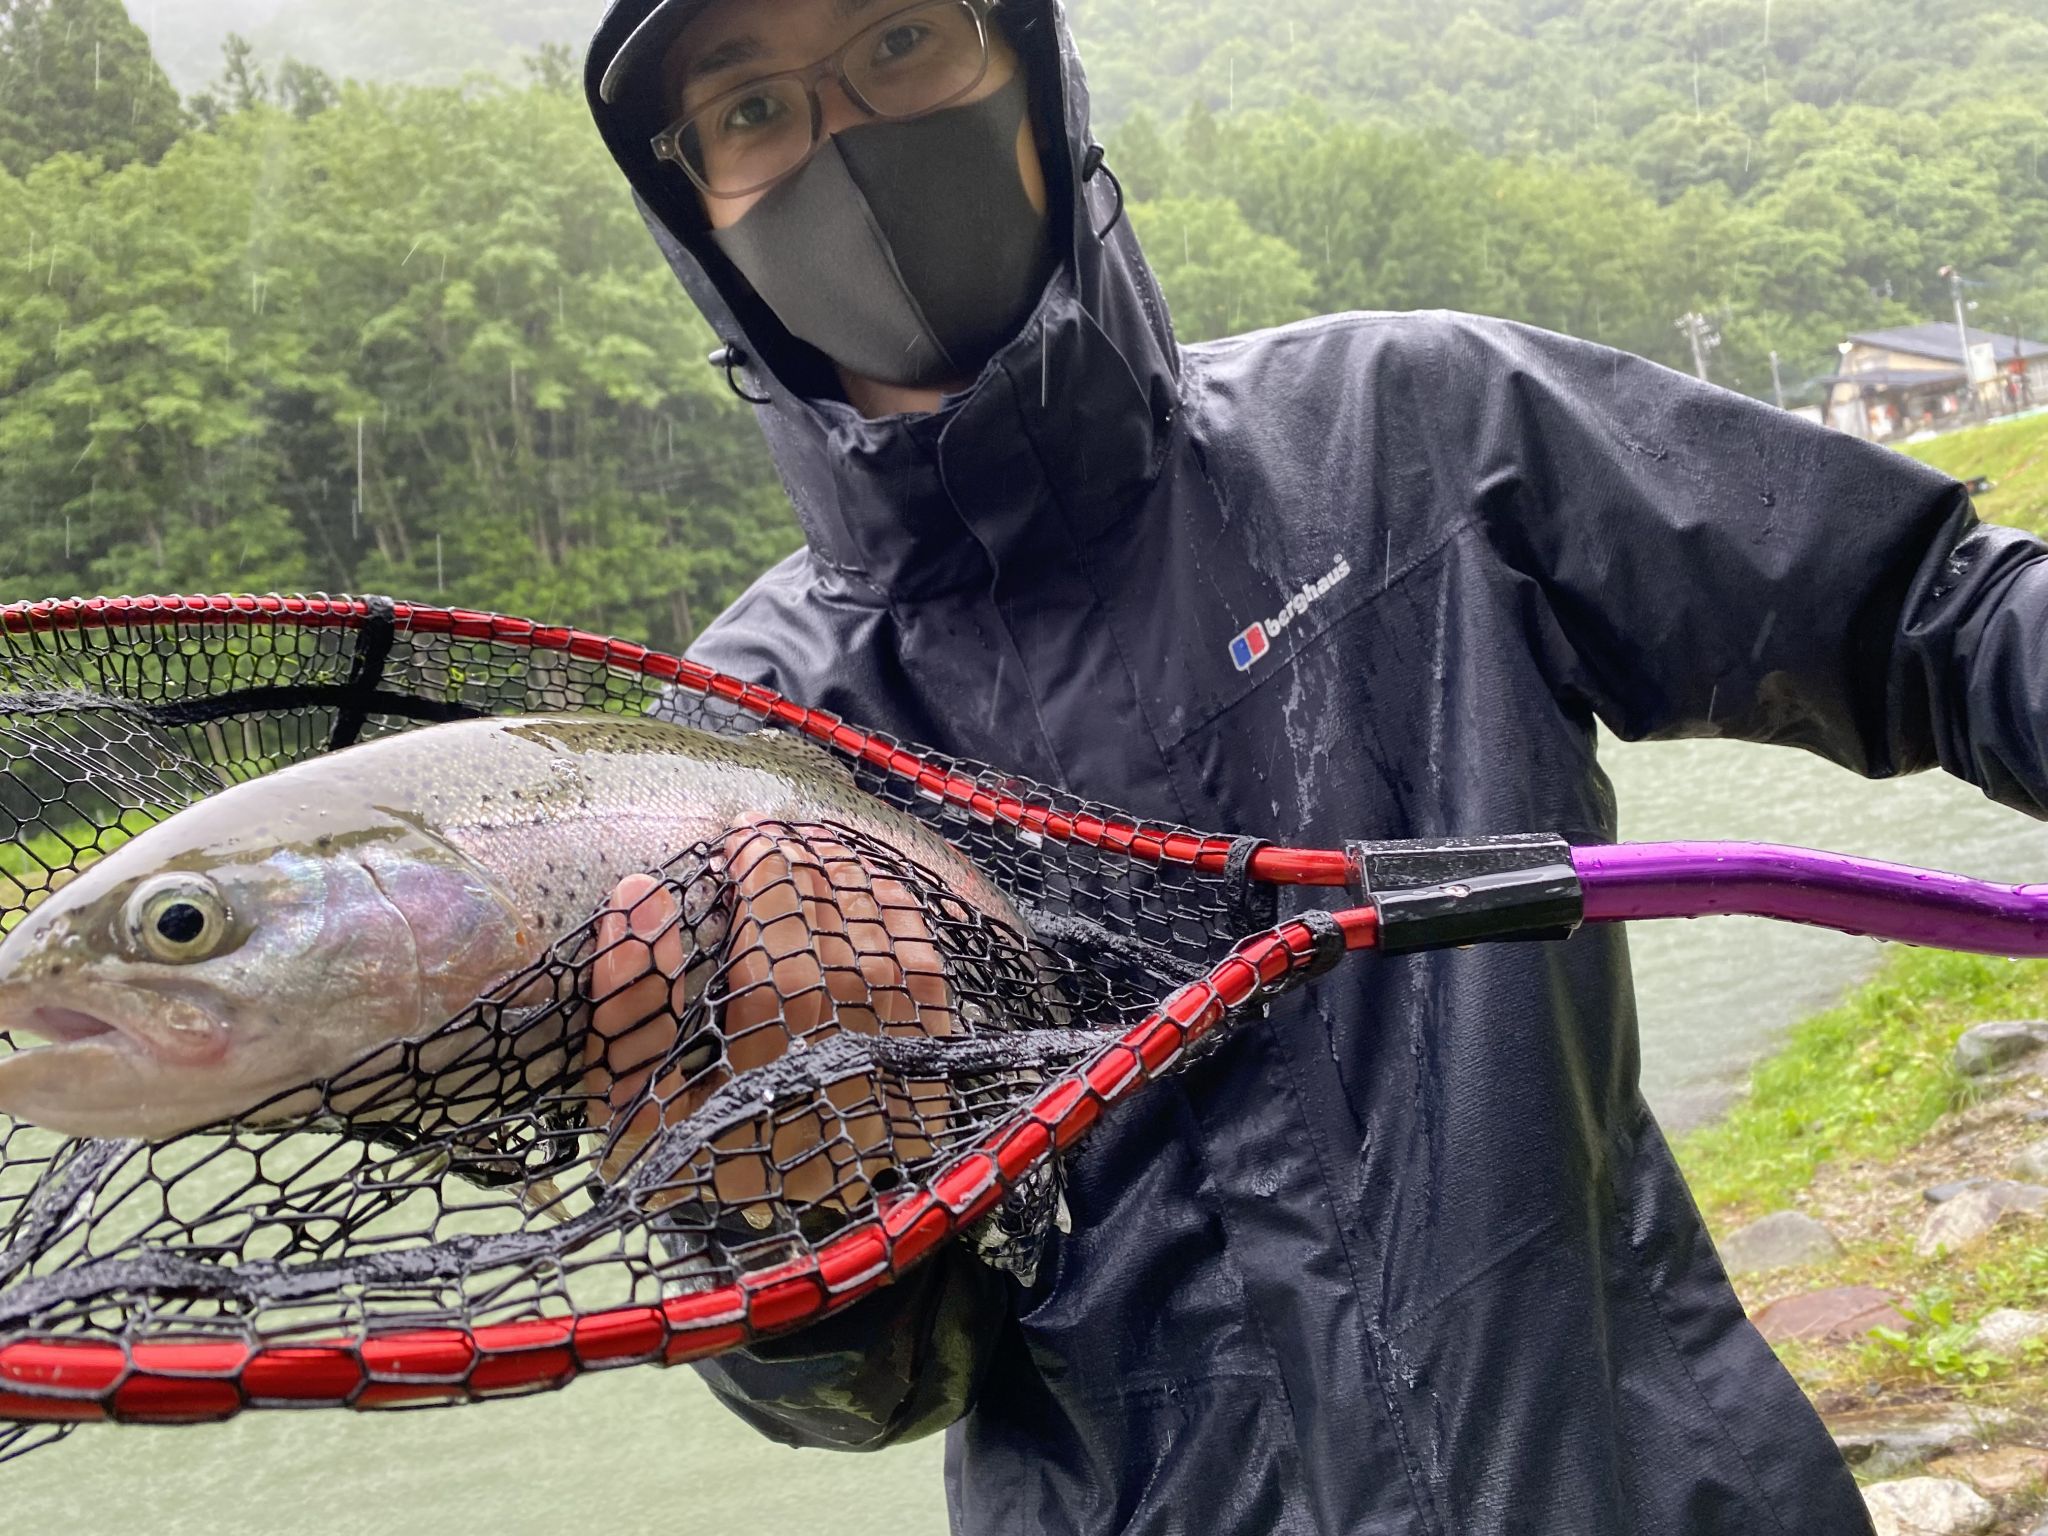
(800, 1062)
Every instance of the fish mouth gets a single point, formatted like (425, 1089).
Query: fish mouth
(102, 1016)
(117, 1061)
(64, 1026)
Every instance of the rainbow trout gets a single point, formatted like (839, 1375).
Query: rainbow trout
(268, 936)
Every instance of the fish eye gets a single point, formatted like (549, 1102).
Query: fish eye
(178, 917)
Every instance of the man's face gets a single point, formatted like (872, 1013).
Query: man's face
(732, 42)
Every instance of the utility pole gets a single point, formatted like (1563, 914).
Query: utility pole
(1955, 288)
(1777, 383)
(1702, 338)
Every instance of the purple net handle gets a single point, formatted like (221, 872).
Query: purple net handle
(1627, 881)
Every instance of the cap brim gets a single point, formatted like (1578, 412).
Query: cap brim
(642, 51)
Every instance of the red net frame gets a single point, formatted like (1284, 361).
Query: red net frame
(56, 1381)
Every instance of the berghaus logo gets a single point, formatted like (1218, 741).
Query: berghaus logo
(1257, 639)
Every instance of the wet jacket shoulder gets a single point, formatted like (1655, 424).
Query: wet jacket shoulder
(1693, 562)
(1688, 561)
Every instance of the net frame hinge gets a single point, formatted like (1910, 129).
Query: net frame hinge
(366, 671)
(1445, 893)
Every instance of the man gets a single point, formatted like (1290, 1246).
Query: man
(1412, 1256)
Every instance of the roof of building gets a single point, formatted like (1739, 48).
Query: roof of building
(1901, 378)
(1937, 339)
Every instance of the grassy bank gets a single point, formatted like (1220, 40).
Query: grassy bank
(2013, 453)
(1859, 1113)
(1866, 1079)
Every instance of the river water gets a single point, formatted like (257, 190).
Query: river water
(646, 1450)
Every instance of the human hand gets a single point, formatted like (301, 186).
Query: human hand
(816, 941)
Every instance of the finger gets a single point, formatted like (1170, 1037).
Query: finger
(771, 984)
(633, 1022)
(619, 961)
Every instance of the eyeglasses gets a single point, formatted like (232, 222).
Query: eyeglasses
(911, 62)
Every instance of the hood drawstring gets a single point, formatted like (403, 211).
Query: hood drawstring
(731, 357)
(1094, 162)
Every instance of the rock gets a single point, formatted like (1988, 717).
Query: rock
(1985, 1048)
(1776, 1241)
(1886, 1442)
(1927, 1506)
(1996, 1473)
(1840, 1312)
(2031, 1164)
(2007, 1332)
(1938, 1194)
(1956, 1224)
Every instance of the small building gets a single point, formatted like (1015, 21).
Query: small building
(1916, 377)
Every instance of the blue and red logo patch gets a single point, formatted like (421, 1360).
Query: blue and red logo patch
(1249, 647)
(1254, 642)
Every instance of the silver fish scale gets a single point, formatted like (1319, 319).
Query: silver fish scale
(563, 807)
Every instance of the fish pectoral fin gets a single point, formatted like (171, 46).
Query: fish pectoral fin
(543, 1197)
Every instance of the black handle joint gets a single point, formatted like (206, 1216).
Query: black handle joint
(1439, 893)
(1330, 946)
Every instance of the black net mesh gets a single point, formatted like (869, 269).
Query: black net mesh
(771, 1033)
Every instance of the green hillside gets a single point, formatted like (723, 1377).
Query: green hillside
(1697, 76)
(1797, 167)
(303, 332)
(1510, 75)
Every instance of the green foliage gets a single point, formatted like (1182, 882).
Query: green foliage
(77, 75)
(1935, 1342)
(1691, 78)
(362, 293)
(1842, 225)
(1223, 276)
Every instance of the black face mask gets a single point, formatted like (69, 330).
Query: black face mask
(905, 252)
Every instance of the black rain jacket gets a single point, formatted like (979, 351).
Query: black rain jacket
(1411, 1256)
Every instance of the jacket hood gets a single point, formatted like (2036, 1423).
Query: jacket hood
(1066, 426)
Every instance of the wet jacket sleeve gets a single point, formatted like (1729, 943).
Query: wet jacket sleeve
(902, 1363)
(1696, 563)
